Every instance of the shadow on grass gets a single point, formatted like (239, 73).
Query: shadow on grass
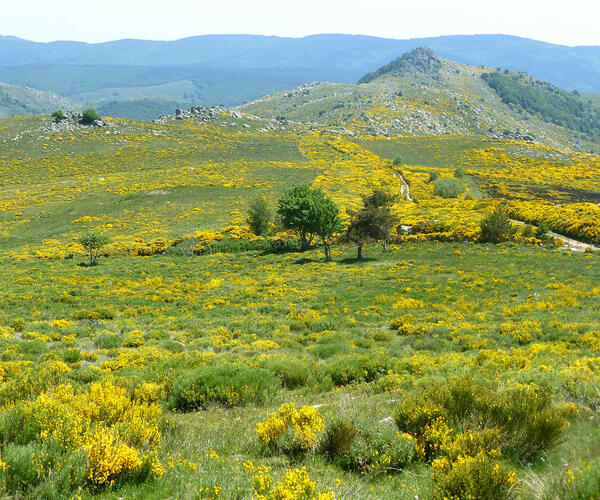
(281, 250)
(306, 260)
(354, 260)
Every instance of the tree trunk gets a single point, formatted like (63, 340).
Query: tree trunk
(327, 249)
(384, 245)
(359, 256)
(303, 243)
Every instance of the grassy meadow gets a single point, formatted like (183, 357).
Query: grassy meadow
(197, 360)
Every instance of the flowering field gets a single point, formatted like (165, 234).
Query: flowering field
(185, 365)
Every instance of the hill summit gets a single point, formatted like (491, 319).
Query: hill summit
(421, 61)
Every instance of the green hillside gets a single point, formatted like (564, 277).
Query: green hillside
(546, 101)
(15, 101)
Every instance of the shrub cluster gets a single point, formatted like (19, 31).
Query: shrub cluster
(227, 385)
(463, 429)
(448, 187)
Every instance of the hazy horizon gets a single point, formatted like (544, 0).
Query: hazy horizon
(290, 36)
(70, 20)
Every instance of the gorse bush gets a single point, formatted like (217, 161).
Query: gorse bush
(464, 428)
(523, 415)
(526, 418)
(294, 485)
(472, 477)
(292, 373)
(65, 440)
(378, 449)
(227, 385)
(295, 430)
(448, 187)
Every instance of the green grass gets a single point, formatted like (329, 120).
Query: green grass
(356, 336)
(359, 298)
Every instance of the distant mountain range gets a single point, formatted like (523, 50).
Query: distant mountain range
(233, 69)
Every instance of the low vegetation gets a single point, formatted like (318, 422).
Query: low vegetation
(217, 351)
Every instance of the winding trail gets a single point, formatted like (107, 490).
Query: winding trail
(568, 243)
(405, 188)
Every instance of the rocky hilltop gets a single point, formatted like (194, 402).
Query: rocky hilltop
(419, 93)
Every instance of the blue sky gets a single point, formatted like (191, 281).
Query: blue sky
(570, 23)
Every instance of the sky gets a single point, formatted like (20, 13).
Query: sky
(568, 23)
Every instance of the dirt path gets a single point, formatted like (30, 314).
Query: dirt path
(405, 189)
(568, 243)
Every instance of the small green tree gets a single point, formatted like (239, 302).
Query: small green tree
(373, 222)
(496, 226)
(327, 223)
(379, 198)
(93, 242)
(58, 115)
(259, 216)
(296, 208)
(309, 212)
(89, 116)
(459, 172)
(397, 161)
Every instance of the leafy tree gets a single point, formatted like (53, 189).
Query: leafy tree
(297, 209)
(496, 226)
(58, 115)
(379, 199)
(397, 161)
(373, 222)
(89, 116)
(259, 216)
(93, 242)
(327, 223)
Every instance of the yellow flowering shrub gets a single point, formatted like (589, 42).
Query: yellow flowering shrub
(306, 425)
(295, 485)
(477, 477)
(118, 434)
(109, 459)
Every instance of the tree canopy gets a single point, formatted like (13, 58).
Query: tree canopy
(309, 212)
